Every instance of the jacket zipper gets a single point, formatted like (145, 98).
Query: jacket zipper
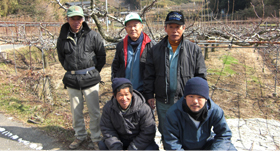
(166, 85)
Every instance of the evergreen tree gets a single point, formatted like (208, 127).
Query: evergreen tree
(227, 5)
(8, 7)
(134, 4)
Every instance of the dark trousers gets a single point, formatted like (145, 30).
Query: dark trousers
(151, 146)
(227, 146)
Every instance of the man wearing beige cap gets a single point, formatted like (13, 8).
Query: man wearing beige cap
(81, 53)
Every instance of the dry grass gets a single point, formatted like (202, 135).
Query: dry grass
(247, 92)
(242, 90)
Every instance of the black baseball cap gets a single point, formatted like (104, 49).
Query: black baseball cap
(175, 17)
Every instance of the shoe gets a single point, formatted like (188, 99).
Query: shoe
(93, 145)
(75, 144)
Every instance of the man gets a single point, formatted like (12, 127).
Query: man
(81, 53)
(127, 122)
(169, 65)
(131, 52)
(189, 122)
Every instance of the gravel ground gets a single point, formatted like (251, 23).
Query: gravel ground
(250, 134)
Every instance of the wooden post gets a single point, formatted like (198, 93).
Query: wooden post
(275, 86)
(205, 52)
(30, 55)
(212, 49)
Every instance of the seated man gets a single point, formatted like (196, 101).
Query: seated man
(189, 121)
(127, 122)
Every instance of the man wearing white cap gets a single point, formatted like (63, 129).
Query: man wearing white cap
(131, 52)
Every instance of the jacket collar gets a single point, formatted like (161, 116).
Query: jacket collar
(209, 106)
(146, 40)
(65, 29)
(165, 39)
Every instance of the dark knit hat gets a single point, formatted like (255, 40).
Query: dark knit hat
(197, 86)
(116, 82)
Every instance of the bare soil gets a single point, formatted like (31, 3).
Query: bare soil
(246, 91)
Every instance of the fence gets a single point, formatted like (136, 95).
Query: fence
(28, 34)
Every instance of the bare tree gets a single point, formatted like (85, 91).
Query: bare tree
(95, 13)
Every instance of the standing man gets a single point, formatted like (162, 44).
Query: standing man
(169, 65)
(81, 53)
(189, 122)
(127, 122)
(131, 52)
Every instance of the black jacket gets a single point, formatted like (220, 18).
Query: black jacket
(118, 65)
(87, 52)
(156, 76)
(138, 124)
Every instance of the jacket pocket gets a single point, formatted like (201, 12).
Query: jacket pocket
(90, 79)
(70, 81)
(68, 48)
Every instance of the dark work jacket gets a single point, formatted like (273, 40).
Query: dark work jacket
(156, 75)
(120, 59)
(87, 52)
(138, 124)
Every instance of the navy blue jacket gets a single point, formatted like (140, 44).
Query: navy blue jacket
(180, 133)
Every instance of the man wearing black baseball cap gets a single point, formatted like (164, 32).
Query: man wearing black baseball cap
(169, 65)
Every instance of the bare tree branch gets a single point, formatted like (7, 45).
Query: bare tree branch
(58, 2)
(147, 8)
(101, 30)
(95, 13)
(255, 10)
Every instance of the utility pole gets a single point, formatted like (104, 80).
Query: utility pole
(106, 17)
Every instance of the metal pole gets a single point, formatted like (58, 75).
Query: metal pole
(30, 55)
(15, 58)
(275, 93)
(106, 17)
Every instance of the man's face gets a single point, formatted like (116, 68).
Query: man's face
(174, 31)
(195, 102)
(124, 97)
(75, 23)
(134, 29)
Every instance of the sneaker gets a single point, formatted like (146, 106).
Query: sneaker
(93, 145)
(75, 144)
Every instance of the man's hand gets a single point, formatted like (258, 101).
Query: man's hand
(151, 102)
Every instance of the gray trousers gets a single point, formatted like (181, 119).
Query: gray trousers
(77, 99)
(161, 111)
